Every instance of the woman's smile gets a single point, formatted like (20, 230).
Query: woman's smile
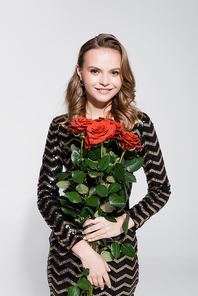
(103, 90)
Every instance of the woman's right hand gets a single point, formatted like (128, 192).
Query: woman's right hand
(98, 267)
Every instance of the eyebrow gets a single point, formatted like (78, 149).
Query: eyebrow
(100, 69)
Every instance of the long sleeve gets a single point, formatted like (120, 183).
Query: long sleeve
(158, 184)
(48, 193)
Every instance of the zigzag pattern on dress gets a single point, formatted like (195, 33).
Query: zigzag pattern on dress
(158, 184)
(62, 263)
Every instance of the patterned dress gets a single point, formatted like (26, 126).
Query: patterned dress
(62, 263)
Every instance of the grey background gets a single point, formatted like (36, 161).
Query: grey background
(40, 41)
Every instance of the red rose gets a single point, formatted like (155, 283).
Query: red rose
(119, 126)
(129, 141)
(99, 131)
(79, 125)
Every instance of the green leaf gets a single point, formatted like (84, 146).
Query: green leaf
(117, 201)
(95, 174)
(90, 210)
(119, 172)
(91, 191)
(83, 166)
(82, 189)
(107, 208)
(115, 187)
(69, 212)
(112, 157)
(130, 177)
(62, 176)
(115, 250)
(63, 184)
(73, 291)
(84, 212)
(91, 163)
(105, 243)
(94, 155)
(108, 170)
(101, 190)
(116, 238)
(128, 250)
(125, 225)
(92, 201)
(111, 179)
(84, 284)
(78, 176)
(76, 157)
(64, 202)
(73, 196)
(110, 218)
(104, 162)
(73, 147)
(121, 192)
(66, 147)
(85, 271)
(107, 256)
(134, 164)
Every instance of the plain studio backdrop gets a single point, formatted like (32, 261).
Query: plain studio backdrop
(40, 41)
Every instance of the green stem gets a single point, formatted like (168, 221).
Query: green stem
(81, 148)
(122, 156)
(101, 150)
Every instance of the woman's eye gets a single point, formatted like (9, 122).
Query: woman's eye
(114, 73)
(94, 71)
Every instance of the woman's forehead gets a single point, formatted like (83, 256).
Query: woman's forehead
(102, 57)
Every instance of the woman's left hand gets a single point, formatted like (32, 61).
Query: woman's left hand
(103, 228)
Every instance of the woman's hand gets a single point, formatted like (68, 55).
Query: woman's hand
(98, 267)
(103, 228)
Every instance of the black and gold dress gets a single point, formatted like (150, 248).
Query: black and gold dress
(62, 263)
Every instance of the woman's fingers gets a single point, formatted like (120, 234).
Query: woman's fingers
(95, 236)
(101, 283)
(94, 221)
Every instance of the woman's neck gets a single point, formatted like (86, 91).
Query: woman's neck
(94, 113)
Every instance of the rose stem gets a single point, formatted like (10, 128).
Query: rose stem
(81, 149)
(101, 149)
(122, 156)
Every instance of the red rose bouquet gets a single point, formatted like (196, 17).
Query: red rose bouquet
(99, 184)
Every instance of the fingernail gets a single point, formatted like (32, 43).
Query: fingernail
(84, 237)
(101, 288)
(89, 240)
(109, 287)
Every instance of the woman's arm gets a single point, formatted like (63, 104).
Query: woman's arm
(48, 192)
(98, 267)
(158, 188)
(158, 184)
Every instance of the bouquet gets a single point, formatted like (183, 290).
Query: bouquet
(100, 183)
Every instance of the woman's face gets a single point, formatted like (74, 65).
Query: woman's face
(101, 75)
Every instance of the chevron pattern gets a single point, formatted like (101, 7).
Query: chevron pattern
(62, 263)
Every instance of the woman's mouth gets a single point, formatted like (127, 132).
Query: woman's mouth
(103, 90)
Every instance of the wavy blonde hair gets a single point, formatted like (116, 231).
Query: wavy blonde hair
(123, 108)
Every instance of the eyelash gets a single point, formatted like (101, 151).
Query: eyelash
(114, 73)
(94, 71)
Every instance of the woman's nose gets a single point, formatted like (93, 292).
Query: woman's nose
(104, 79)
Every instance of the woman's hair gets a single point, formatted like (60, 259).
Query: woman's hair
(123, 108)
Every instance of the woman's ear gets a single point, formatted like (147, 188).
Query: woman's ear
(78, 69)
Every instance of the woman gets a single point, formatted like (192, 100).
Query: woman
(102, 86)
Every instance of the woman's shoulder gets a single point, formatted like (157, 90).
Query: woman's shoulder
(143, 120)
(60, 119)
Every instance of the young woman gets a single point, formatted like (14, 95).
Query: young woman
(102, 86)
